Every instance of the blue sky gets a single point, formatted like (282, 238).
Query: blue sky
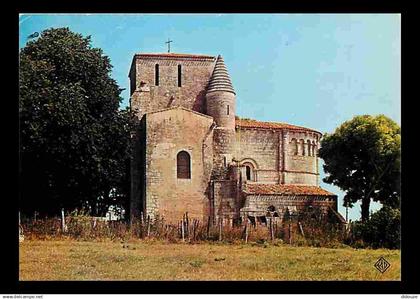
(314, 70)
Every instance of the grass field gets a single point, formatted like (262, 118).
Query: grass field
(156, 260)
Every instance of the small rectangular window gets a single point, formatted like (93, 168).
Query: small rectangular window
(157, 74)
(179, 75)
(227, 109)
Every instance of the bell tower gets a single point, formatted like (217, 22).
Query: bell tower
(164, 80)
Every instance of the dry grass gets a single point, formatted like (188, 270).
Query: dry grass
(159, 260)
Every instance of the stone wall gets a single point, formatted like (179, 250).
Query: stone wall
(301, 178)
(257, 205)
(221, 106)
(261, 146)
(165, 130)
(267, 176)
(137, 165)
(167, 133)
(223, 149)
(147, 97)
(301, 161)
(225, 199)
(273, 152)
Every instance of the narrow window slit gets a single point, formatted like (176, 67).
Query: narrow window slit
(157, 74)
(179, 76)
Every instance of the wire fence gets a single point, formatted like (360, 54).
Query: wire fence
(294, 231)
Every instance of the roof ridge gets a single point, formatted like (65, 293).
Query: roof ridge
(256, 188)
(252, 123)
(175, 55)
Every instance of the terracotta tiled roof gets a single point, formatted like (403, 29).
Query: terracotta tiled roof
(174, 55)
(220, 80)
(285, 189)
(250, 123)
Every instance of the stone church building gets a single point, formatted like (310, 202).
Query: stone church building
(194, 154)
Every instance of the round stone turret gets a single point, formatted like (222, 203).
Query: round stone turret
(221, 105)
(220, 96)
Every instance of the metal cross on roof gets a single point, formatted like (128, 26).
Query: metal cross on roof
(169, 45)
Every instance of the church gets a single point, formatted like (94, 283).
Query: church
(193, 154)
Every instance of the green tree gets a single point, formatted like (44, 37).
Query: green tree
(362, 157)
(74, 140)
(383, 229)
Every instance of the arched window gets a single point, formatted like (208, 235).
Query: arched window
(183, 165)
(314, 150)
(310, 152)
(294, 146)
(302, 146)
(248, 172)
(157, 74)
(179, 75)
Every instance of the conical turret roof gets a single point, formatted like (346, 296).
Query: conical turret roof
(220, 80)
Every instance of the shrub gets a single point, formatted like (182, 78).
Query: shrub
(321, 229)
(381, 230)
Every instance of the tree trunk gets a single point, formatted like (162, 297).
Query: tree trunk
(365, 209)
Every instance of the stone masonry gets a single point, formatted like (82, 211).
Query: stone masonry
(194, 154)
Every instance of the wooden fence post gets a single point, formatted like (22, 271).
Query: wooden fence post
(271, 229)
(290, 233)
(194, 227)
(148, 225)
(163, 225)
(208, 227)
(182, 229)
(187, 225)
(220, 229)
(140, 227)
(168, 231)
(246, 230)
(301, 229)
(63, 221)
(276, 227)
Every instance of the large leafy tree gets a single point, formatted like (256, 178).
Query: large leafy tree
(74, 139)
(362, 157)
